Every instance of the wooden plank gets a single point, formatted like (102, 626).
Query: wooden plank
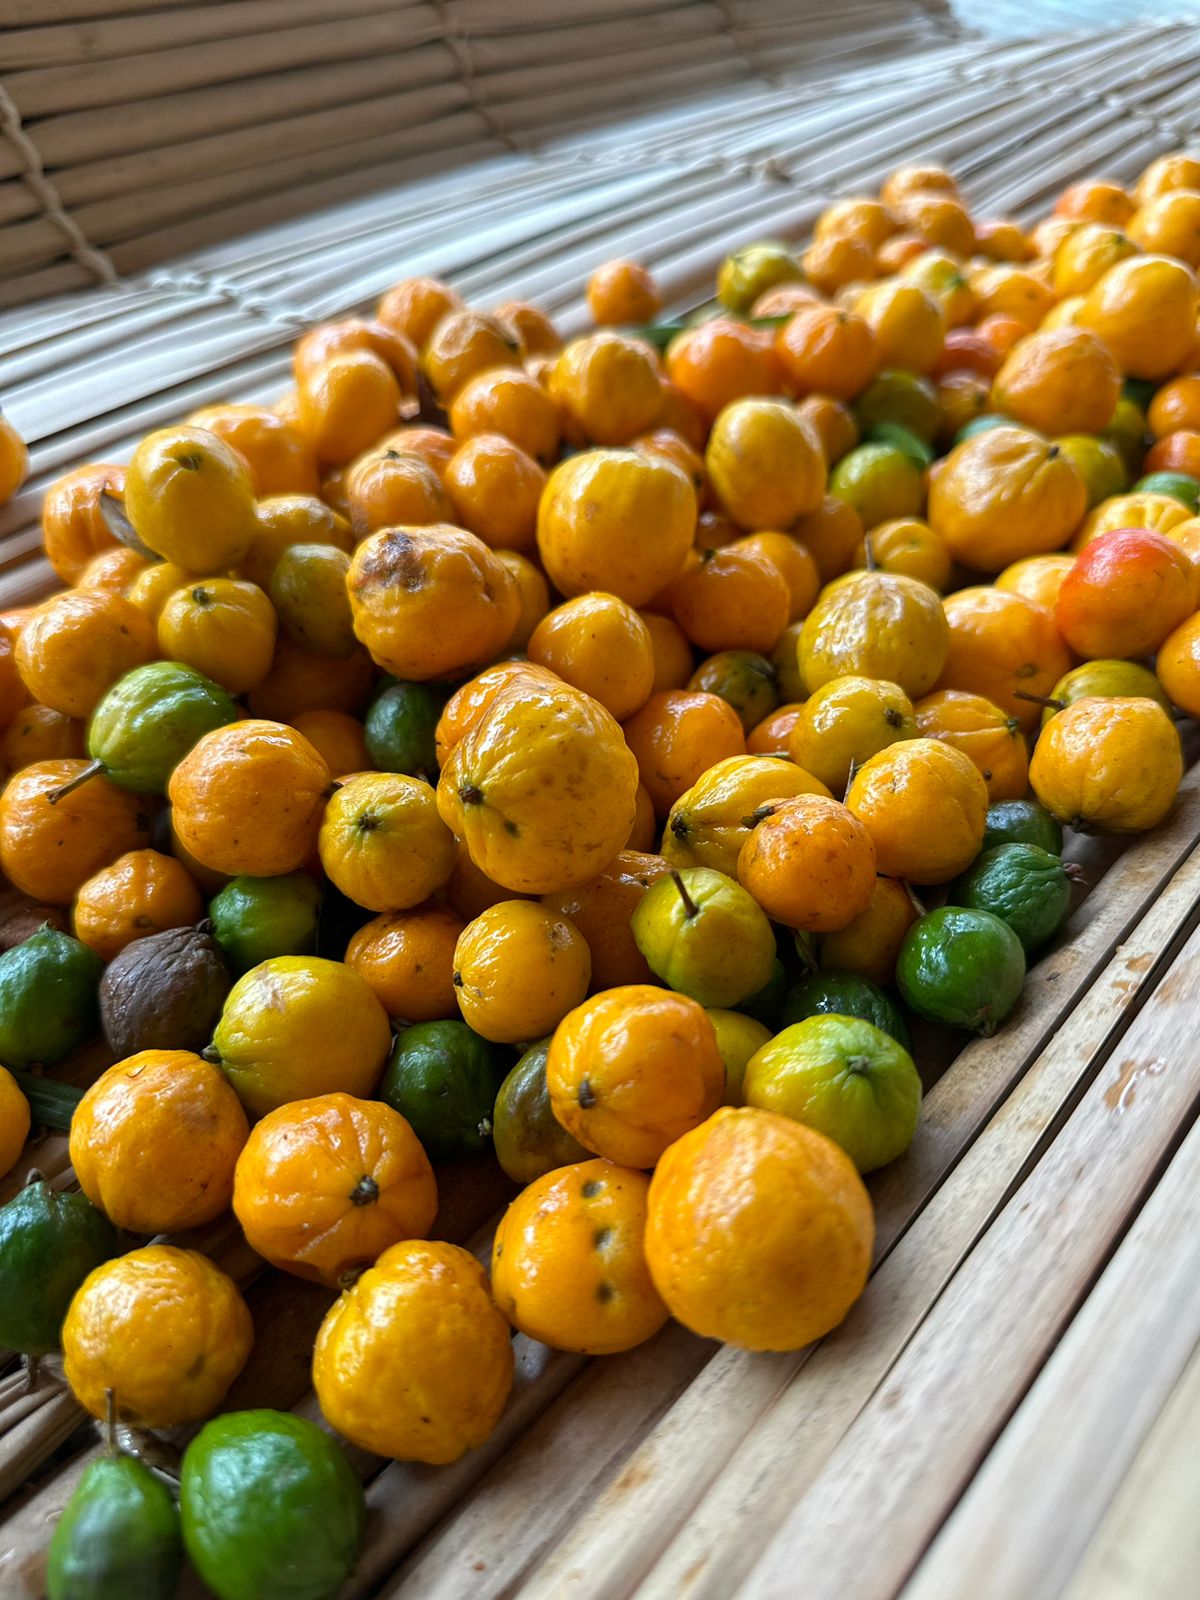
(869, 1506)
(726, 1453)
(1030, 1511)
(1149, 1542)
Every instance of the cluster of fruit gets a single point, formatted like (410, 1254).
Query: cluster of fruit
(503, 745)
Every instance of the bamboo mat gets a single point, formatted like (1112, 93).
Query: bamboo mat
(682, 1470)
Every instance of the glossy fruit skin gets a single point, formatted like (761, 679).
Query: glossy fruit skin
(1005, 494)
(48, 848)
(151, 719)
(1109, 765)
(276, 453)
(47, 998)
(257, 918)
(415, 1361)
(599, 645)
(141, 893)
(271, 1508)
(382, 842)
(324, 1186)
(430, 601)
(15, 1121)
(1000, 643)
(568, 1262)
(609, 386)
(529, 1138)
(118, 1535)
(190, 498)
(543, 789)
(468, 705)
(518, 969)
(1023, 885)
(782, 1263)
(75, 646)
(224, 628)
(705, 936)
(845, 1078)
(846, 994)
(1061, 381)
(494, 487)
(407, 958)
(738, 1037)
(602, 910)
(924, 804)
(676, 737)
(765, 463)
(73, 525)
(828, 351)
(298, 1026)
(248, 799)
(1022, 822)
(875, 625)
(592, 520)
(751, 271)
(1144, 309)
(1107, 680)
(990, 740)
(442, 1078)
(631, 1070)
(962, 967)
(868, 946)
(845, 722)
(1178, 666)
(810, 863)
(49, 1241)
(161, 1327)
(879, 482)
(710, 822)
(155, 1139)
(38, 734)
(400, 728)
(1126, 592)
(734, 596)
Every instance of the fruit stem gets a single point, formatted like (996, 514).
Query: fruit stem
(690, 908)
(869, 553)
(1040, 700)
(365, 1191)
(94, 769)
(211, 1053)
(33, 1371)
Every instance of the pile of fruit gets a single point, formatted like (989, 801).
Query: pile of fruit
(591, 755)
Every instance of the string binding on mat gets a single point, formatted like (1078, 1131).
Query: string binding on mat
(34, 176)
(459, 42)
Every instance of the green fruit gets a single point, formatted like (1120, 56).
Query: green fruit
(1180, 486)
(1098, 462)
(530, 1140)
(147, 723)
(738, 1038)
(272, 1509)
(1106, 680)
(844, 1078)
(982, 424)
(49, 1242)
(963, 967)
(744, 680)
(1023, 885)
(765, 1005)
(400, 727)
(1022, 822)
(118, 1537)
(443, 1078)
(752, 270)
(256, 918)
(900, 400)
(847, 995)
(308, 591)
(48, 999)
(705, 937)
(1127, 434)
(880, 481)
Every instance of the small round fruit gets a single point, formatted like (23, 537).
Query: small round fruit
(407, 958)
(1112, 766)
(298, 1026)
(324, 1186)
(118, 1535)
(190, 498)
(924, 804)
(47, 998)
(257, 918)
(162, 1329)
(962, 967)
(759, 1231)
(810, 863)
(631, 1070)
(844, 1078)
(382, 842)
(1022, 822)
(704, 936)
(868, 946)
(529, 1138)
(845, 722)
(415, 1361)
(141, 893)
(50, 1240)
(845, 994)
(155, 1139)
(271, 1508)
(569, 1263)
(518, 969)
(765, 463)
(442, 1078)
(599, 645)
(875, 625)
(1023, 885)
